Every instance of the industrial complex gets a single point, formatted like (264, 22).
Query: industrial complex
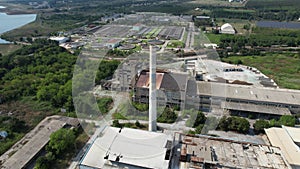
(156, 74)
(133, 148)
(156, 77)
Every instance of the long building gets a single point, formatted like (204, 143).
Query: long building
(244, 99)
(24, 152)
(238, 99)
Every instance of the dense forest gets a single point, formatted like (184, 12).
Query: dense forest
(42, 69)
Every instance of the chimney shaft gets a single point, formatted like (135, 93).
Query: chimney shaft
(152, 91)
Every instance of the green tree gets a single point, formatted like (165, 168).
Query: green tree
(223, 124)
(60, 141)
(196, 118)
(274, 123)
(168, 116)
(199, 128)
(243, 125)
(117, 124)
(42, 163)
(137, 124)
(287, 120)
(200, 119)
(260, 125)
(234, 123)
(104, 104)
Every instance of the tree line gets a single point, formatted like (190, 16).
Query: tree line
(202, 124)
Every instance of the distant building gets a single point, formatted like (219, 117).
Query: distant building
(187, 18)
(128, 148)
(60, 40)
(202, 17)
(113, 43)
(210, 45)
(287, 139)
(218, 153)
(137, 27)
(227, 29)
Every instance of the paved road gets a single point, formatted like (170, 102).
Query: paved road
(190, 37)
(163, 47)
(76, 160)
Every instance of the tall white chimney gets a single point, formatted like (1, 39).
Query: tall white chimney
(152, 91)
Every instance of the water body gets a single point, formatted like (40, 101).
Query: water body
(10, 22)
(275, 24)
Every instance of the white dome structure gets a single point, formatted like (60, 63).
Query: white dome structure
(227, 29)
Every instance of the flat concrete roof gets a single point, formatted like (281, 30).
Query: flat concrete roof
(280, 138)
(260, 94)
(294, 133)
(233, 154)
(134, 147)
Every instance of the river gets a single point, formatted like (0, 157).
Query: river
(10, 22)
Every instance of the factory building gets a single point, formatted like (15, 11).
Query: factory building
(218, 153)
(171, 87)
(128, 148)
(240, 100)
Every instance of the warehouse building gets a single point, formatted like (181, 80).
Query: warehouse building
(171, 88)
(240, 100)
(128, 148)
(243, 99)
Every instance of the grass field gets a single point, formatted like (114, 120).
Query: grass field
(213, 38)
(283, 68)
(8, 48)
(216, 3)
